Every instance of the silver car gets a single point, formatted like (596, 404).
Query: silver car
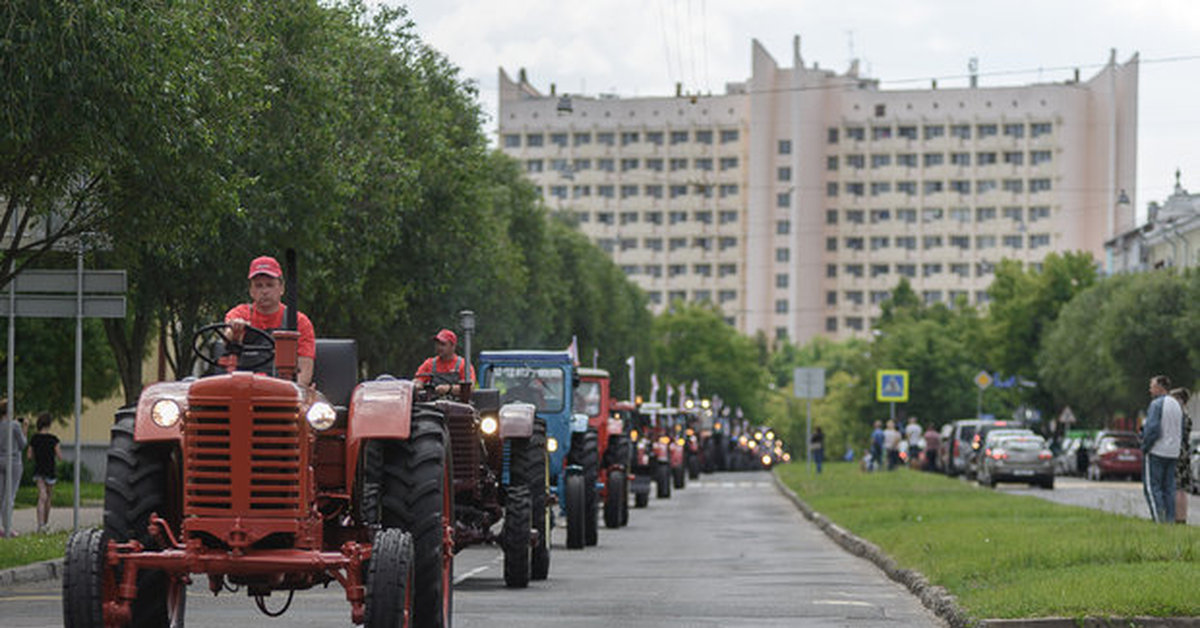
(1009, 457)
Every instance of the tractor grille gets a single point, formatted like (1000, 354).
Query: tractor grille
(464, 446)
(244, 459)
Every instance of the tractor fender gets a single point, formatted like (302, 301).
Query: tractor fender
(615, 426)
(379, 409)
(516, 420)
(145, 429)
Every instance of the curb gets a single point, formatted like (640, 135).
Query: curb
(941, 603)
(36, 572)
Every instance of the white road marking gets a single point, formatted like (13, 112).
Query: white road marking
(477, 570)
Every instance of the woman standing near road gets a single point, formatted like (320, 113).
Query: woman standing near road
(891, 443)
(1183, 476)
(45, 452)
(8, 485)
(816, 447)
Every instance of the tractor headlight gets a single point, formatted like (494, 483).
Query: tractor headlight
(633, 435)
(551, 444)
(321, 416)
(165, 413)
(489, 425)
(766, 460)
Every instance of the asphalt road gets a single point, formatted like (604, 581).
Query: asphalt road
(727, 551)
(1118, 496)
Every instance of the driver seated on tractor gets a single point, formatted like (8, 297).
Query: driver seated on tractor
(446, 368)
(265, 311)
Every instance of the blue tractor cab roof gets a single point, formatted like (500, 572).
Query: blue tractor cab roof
(526, 356)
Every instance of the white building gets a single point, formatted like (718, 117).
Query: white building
(799, 198)
(1169, 239)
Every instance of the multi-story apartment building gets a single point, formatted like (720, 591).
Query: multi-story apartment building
(798, 199)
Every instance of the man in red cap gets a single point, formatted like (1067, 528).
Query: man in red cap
(265, 311)
(453, 366)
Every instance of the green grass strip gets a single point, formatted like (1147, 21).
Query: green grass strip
(32, 548)
(90, 494)
(1011, 556)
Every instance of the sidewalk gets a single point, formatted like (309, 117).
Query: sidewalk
(25, 519)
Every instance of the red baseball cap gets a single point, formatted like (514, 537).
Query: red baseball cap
(446, 336)
(265, 265)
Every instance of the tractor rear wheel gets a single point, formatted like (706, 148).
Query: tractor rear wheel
(576, 502)
(136, 486)
(515, 537)
(641, 500)
(416, 495)
(662, 478)
(389, 580)
(616, 500)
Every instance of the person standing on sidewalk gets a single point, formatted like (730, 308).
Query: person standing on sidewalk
(816, 445)
(1183, 475)
(876, 447)
(1161, 436)
(891, 443)
(9, 484)
(45, 452)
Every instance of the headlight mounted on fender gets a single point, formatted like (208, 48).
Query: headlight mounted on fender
(165, 413)
(321, 416)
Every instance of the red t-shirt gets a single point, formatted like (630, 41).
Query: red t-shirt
(458, 364)
(268, 322)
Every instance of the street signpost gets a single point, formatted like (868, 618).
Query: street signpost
(808, 384)
(982, 380)
(891, 386)
(74, 294)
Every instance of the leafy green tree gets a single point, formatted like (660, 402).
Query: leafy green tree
(44, 366)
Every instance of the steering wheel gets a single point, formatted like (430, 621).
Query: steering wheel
(265, 346)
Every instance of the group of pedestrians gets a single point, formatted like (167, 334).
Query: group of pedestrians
(42, 448)
(1164, 448)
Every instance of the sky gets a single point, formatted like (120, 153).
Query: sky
(644, 47)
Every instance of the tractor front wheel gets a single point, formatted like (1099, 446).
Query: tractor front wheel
(515, 537)
(390, 580)
(576, 503)
(662, 478)
(87, 582)
(616, 502)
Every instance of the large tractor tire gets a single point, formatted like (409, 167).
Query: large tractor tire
(87, 581)
(694, 467)
(576, 502)
(137, 483)
(416, 495)
(515, 537)
(389, 580)
(616, 502)
(679, 476)
(641, 500)
(662, 479)
(530, 466)
(589, 459)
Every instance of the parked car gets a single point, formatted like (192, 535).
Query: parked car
(1115, 453)
(1016, 456)
(1067, 460)
(959, 445)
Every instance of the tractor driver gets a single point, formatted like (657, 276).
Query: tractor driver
(265, 311)
(454, 367)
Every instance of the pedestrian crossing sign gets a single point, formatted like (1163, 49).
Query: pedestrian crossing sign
(891, 386)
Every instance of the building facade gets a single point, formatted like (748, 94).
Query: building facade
(798, 199)
(1170, 238)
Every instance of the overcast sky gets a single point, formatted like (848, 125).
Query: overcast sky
(643, 47)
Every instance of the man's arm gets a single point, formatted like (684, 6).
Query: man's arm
(304, 370)
(1153, 427)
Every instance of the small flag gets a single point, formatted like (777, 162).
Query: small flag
(654, 387)
(573, 349)
(695, 389)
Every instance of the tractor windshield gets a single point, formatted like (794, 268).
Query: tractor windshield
(587, 398)
(543, 387)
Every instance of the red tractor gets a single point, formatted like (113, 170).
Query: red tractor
(258, 482)
(592, 398)
(658, 452)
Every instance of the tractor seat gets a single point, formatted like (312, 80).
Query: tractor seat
(335, 370)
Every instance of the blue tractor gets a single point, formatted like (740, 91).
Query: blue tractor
(546, 379)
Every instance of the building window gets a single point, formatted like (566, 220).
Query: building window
(987, 158)
(604, 218)
(727, 216)
(512, 140)
(729, 163)
(855, 133)
(677, 217)
(675, 270)
(679, 137)
(559, 192)
(908, 243)
(703, 270)
(1014, 158)
(629, 137)
(881, 160)
(831, 297)
(831, 135)
(933, 187)
(831, 189)
(854, 188)
(704, 137)
(655, 297)
(1014, 130)
(559, 139)
(781, 306)
(854, 270)
(785, 147)
(678, 163)
(1013, 241)
(961, 186)
(703, 216)
(628, 164)
(929, 270)
(831, 323)
(534, 140)
(654, 191)
(907, 132)
(907, 160)
(830, 244)
(1016, 186)
(831, 271)
(628, 244)
(781, 280)
(652, 244)
(558, 165)
(906, 270)
(931, 242)
(783, 227)
(678, 190)
(782, 254)
(962, 242)
(703, 163)
(533, 165)
(981, 297)
(584, 216)
(606, 165)
(960, 214)
(606, 138)
(783, 199)
(654, 218)
(854, 216)
(962, 270)
(831, 216)
(629, 218)
(879, 270)
(729, 135)
(1040, 212)
(881, 132)
(725, 296)
(1012, 213)
(653, 270)
(1038, 129)
(934, 159)
(906, 215)
(1039, 240)
(676, 243)
(1039, 157)
(932, 296)
(654, 164)
(783, 173)
(880, 215)
(880, 110)
(935, 131)
(985, 242)
(654, 137)
(986, 130)
(605, 191)
(960, 159)
(677, 295)
(961, 131)
(855, 161)
(727, 189)
(1039, 185)
(606, 244)
(726, 270)
(983, 186)
(831, 162)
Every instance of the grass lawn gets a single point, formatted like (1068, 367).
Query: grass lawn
(90, 493)
(1011, 556)
(32, 548)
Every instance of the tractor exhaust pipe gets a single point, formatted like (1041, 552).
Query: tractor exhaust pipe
(292, 295)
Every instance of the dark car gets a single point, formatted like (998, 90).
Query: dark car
(1115, 454)
(980, 437)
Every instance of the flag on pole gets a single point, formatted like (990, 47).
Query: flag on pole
(669, 393)
(573, 349)
(682, 393)
(595, 358)
(654, 387)
(695, 389)
(632, 363)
